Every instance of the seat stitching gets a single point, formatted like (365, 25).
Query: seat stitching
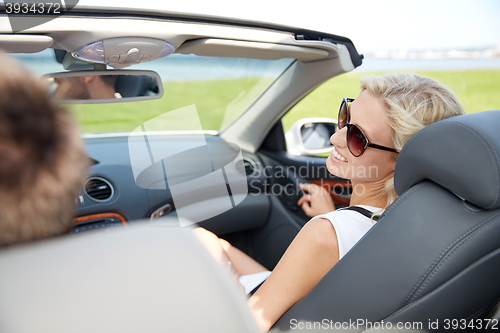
(443, 257)
(488, 146)
(439, 258)
(399, 199)
(392, 207)
(427, 295)
(491, 152)
(468, 236)
(436, 261)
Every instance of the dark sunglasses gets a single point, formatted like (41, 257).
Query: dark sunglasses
(357, 142)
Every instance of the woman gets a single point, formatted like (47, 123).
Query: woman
(372, 130)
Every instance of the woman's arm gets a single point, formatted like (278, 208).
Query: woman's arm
(309, 257)
(226, 254)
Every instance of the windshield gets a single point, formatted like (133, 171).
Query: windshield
(219, 88)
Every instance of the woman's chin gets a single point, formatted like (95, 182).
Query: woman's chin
(335, 168)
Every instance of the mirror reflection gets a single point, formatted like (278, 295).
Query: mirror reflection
(102, 88)
(87, 87)
(317, 135)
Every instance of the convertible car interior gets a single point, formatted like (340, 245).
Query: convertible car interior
(193, 135)
(434, 254)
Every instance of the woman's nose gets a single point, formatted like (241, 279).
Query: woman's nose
(339, 137)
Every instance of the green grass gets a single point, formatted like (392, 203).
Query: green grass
(476, 89)
(211, 98)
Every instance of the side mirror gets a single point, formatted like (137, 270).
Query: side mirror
(111, 86)
(311, 136)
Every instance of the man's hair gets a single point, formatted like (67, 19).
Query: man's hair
(42, 159)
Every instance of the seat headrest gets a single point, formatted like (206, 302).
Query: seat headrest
(149, 277)
(461, 153)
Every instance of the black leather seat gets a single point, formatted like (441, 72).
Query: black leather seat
(435, 253)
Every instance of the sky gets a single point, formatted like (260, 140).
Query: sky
(372, 25)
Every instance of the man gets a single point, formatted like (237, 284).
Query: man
(42, 159)
(87, 87)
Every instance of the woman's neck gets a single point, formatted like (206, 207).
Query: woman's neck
(369, 193)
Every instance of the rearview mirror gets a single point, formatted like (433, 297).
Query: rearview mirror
(111, 86)
(311, 136)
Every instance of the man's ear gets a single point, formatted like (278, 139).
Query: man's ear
(89, 78)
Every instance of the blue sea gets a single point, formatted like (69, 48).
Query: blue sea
(178, 67)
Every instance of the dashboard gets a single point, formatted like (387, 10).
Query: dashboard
(115, 194)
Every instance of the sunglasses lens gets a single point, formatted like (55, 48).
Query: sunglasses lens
(356, 140)
(342, 118)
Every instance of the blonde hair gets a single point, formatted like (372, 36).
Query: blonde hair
(412, 102)
(43, 161)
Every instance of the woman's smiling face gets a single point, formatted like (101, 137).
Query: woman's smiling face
(368, 113)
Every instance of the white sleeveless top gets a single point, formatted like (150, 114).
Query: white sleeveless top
(349, 225)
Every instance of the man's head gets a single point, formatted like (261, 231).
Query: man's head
(42, 159)
(87, 87)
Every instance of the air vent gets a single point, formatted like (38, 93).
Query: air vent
(249, 166)
(99, 189)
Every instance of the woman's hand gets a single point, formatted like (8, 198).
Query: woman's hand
(317, 201)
